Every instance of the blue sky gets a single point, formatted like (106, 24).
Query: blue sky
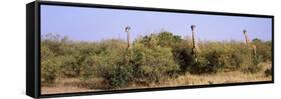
(95, 24)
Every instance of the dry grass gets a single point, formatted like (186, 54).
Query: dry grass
(97, 84)
(65, 86)
(219, 78)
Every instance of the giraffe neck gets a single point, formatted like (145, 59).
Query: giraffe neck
(251, 46)
(128, 40)
(247, 39)
(193, 39)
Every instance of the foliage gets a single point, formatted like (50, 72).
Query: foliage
(264, 49)
(182, 55)
(152, 62)
(151, 59)
(119, 76)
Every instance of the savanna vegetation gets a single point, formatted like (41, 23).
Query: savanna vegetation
(156, 60)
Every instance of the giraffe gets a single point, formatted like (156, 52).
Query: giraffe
(127, 55)
(127, 30)
(194, 47)
(249, 44)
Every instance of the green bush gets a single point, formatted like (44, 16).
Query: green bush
(151, 63)
(119, 76)
(88, 69)
(182, 55)
(167, 39)
(201, 67)
(252, 65)
(70, 66)
(49, 66)
(50, 71)
(264, 49)
(151, 58)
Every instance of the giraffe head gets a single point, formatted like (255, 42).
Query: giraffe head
(127, 29)
(193, 27)
(244, 31)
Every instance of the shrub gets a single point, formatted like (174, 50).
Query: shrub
(152, 64)
(49, 66)
(252, 66)
(70, 66)
(182, 55)
(88, 69)
(50, 71)
(201, 66)
(119, 76)
(264, 50)
(167, 39)
(213, 57)
(237, 58)
(268, 72)
(216, 61)
(152, 58)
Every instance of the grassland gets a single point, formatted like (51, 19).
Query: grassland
(156, 60)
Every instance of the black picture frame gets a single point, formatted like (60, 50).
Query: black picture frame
(33, 85)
